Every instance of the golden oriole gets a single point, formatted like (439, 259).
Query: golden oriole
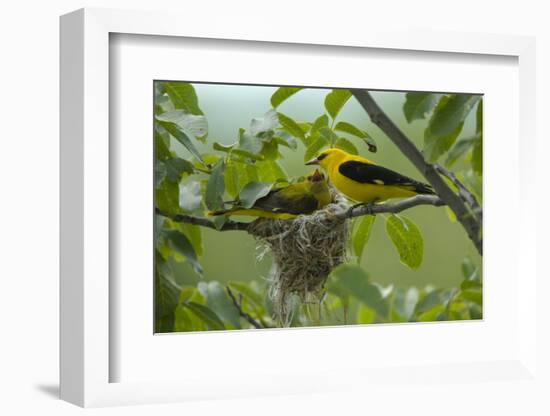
(288, 202)
(363, 181)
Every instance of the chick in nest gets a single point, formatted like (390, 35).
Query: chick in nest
(287, 202)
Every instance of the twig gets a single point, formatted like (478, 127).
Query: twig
(343, 213)
(242, 313)
(408, 148)
(391, 207)
(468, 197)
(189, 219)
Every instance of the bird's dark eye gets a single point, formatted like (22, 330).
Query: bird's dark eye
(321, 157)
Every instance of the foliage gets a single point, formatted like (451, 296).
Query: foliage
(194, 175)
(446, 114)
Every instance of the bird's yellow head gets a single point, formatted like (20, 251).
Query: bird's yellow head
(329, 157)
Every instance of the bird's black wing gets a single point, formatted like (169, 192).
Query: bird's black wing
(276, 202)
(377, 175)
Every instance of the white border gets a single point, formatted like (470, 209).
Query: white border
(85, 205)
(135, 64)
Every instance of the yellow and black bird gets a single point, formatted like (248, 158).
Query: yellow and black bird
(288, 202)
(365, 182)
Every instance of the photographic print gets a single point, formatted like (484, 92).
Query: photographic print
(287, 206)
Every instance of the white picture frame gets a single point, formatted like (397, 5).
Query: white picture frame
(86, 355)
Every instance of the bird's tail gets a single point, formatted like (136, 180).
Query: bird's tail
(221, 212)
(253, 212)
(423, 189)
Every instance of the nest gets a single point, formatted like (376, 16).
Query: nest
(304, 251)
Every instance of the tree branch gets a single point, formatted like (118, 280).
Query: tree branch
(203, 222)
(408, 148)
(343, 212)
(391, 207)
(242, 313)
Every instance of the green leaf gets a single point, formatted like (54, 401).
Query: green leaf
(475, 312)
(252, 192)
(361, 234)
(459, 149)
(418, 104)
(432, 314)
(252, 173)
(433, 299)
(167, 197)
(194, 235)
(215, 187)
(346, 145)
(365, 315)
(270, 171)
(281, 94)
(450, 214)
(314, 148)
(321, 121)
(428, 301)
(205, 314)
(335, 100)
(407, 239)
(180, 243)
(328, 134)
(162, 146)
(473, 295)
(468, 284)
(183, 96)
(160, 172)
(355, 131)
(181, 137)
(185, 321)
(404, 302)
(290, 126)
(166, 294)
(305, 126)
(210, 159)
(175, 167)
(190, 196)
(473, 183)
(435, 146)
(231, 178)
(446, 123)
(237, 175)
(285, 139)
(469, 269)
(353, 281)
(450, 113)
(191, 124)
(249, 293)
(159, 89)
(479, 117)
(350, 129)
(219, 221)
(231, 149)
(218, 300)
(250, 143)
(270, 150)
(477, 157)
(263, 124)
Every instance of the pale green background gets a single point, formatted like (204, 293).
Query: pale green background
(232, 255)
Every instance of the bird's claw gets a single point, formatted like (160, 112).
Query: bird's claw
(368, 208)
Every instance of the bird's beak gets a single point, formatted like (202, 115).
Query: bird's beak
(313, 161)
(317, 176)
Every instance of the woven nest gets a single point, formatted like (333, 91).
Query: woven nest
(304, 251)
